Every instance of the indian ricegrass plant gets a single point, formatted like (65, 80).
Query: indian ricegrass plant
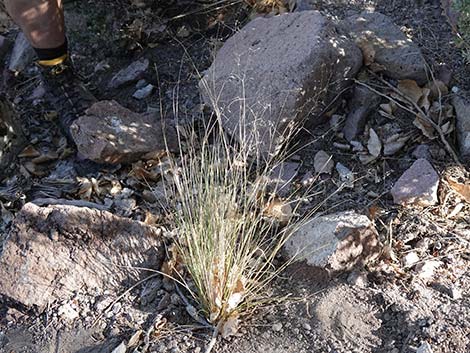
(230, 224)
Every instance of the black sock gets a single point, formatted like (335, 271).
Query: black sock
(52, 56)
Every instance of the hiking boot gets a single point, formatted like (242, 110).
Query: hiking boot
(67, 94)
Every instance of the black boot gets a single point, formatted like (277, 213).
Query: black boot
(70, 98)
(67, 94)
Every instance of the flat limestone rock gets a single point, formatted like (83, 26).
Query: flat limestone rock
(386, 45)
(53, 252)
(417, 186)
(110, 133)
(336, 242)
(278, 72)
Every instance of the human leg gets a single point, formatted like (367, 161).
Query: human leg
(42, 21)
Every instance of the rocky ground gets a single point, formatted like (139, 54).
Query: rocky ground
(387, 166)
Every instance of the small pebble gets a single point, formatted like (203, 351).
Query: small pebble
(120, 349)
(144, 92)
(425, 270)
(341, 146)
(358, 279)
(140, 84)
(67, 312)
(277, 327)
(425, 347)
(456, 293)
(410, 259)
(306, 326)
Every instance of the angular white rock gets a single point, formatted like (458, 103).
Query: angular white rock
(336, 241)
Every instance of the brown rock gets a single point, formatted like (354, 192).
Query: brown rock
(417, 186)
(110, 133)
(52, 252)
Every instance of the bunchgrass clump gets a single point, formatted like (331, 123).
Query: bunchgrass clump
(230, 225)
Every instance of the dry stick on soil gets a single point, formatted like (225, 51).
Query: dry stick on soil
(217, 5)
(417, 110)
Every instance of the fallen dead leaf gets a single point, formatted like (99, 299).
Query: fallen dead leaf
(388, 107)
(425, 127)
(462, 189)
(46, 157)
(366, 158)
(424, 101)
(135, 339)
(323, 163)
(394, 143)
(279, 210)
(387, 110)
(457, 209)
(29, 152)
(410, 89)
(447, 128)
(35, 169)
(237, 295)
(437, 89)
(374, 145)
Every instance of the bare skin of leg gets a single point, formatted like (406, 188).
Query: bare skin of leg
(42, 21)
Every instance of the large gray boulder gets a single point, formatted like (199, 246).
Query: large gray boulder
(53, 252)
(278, 71)
(387, 46)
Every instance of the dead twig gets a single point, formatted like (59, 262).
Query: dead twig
(213, 340)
